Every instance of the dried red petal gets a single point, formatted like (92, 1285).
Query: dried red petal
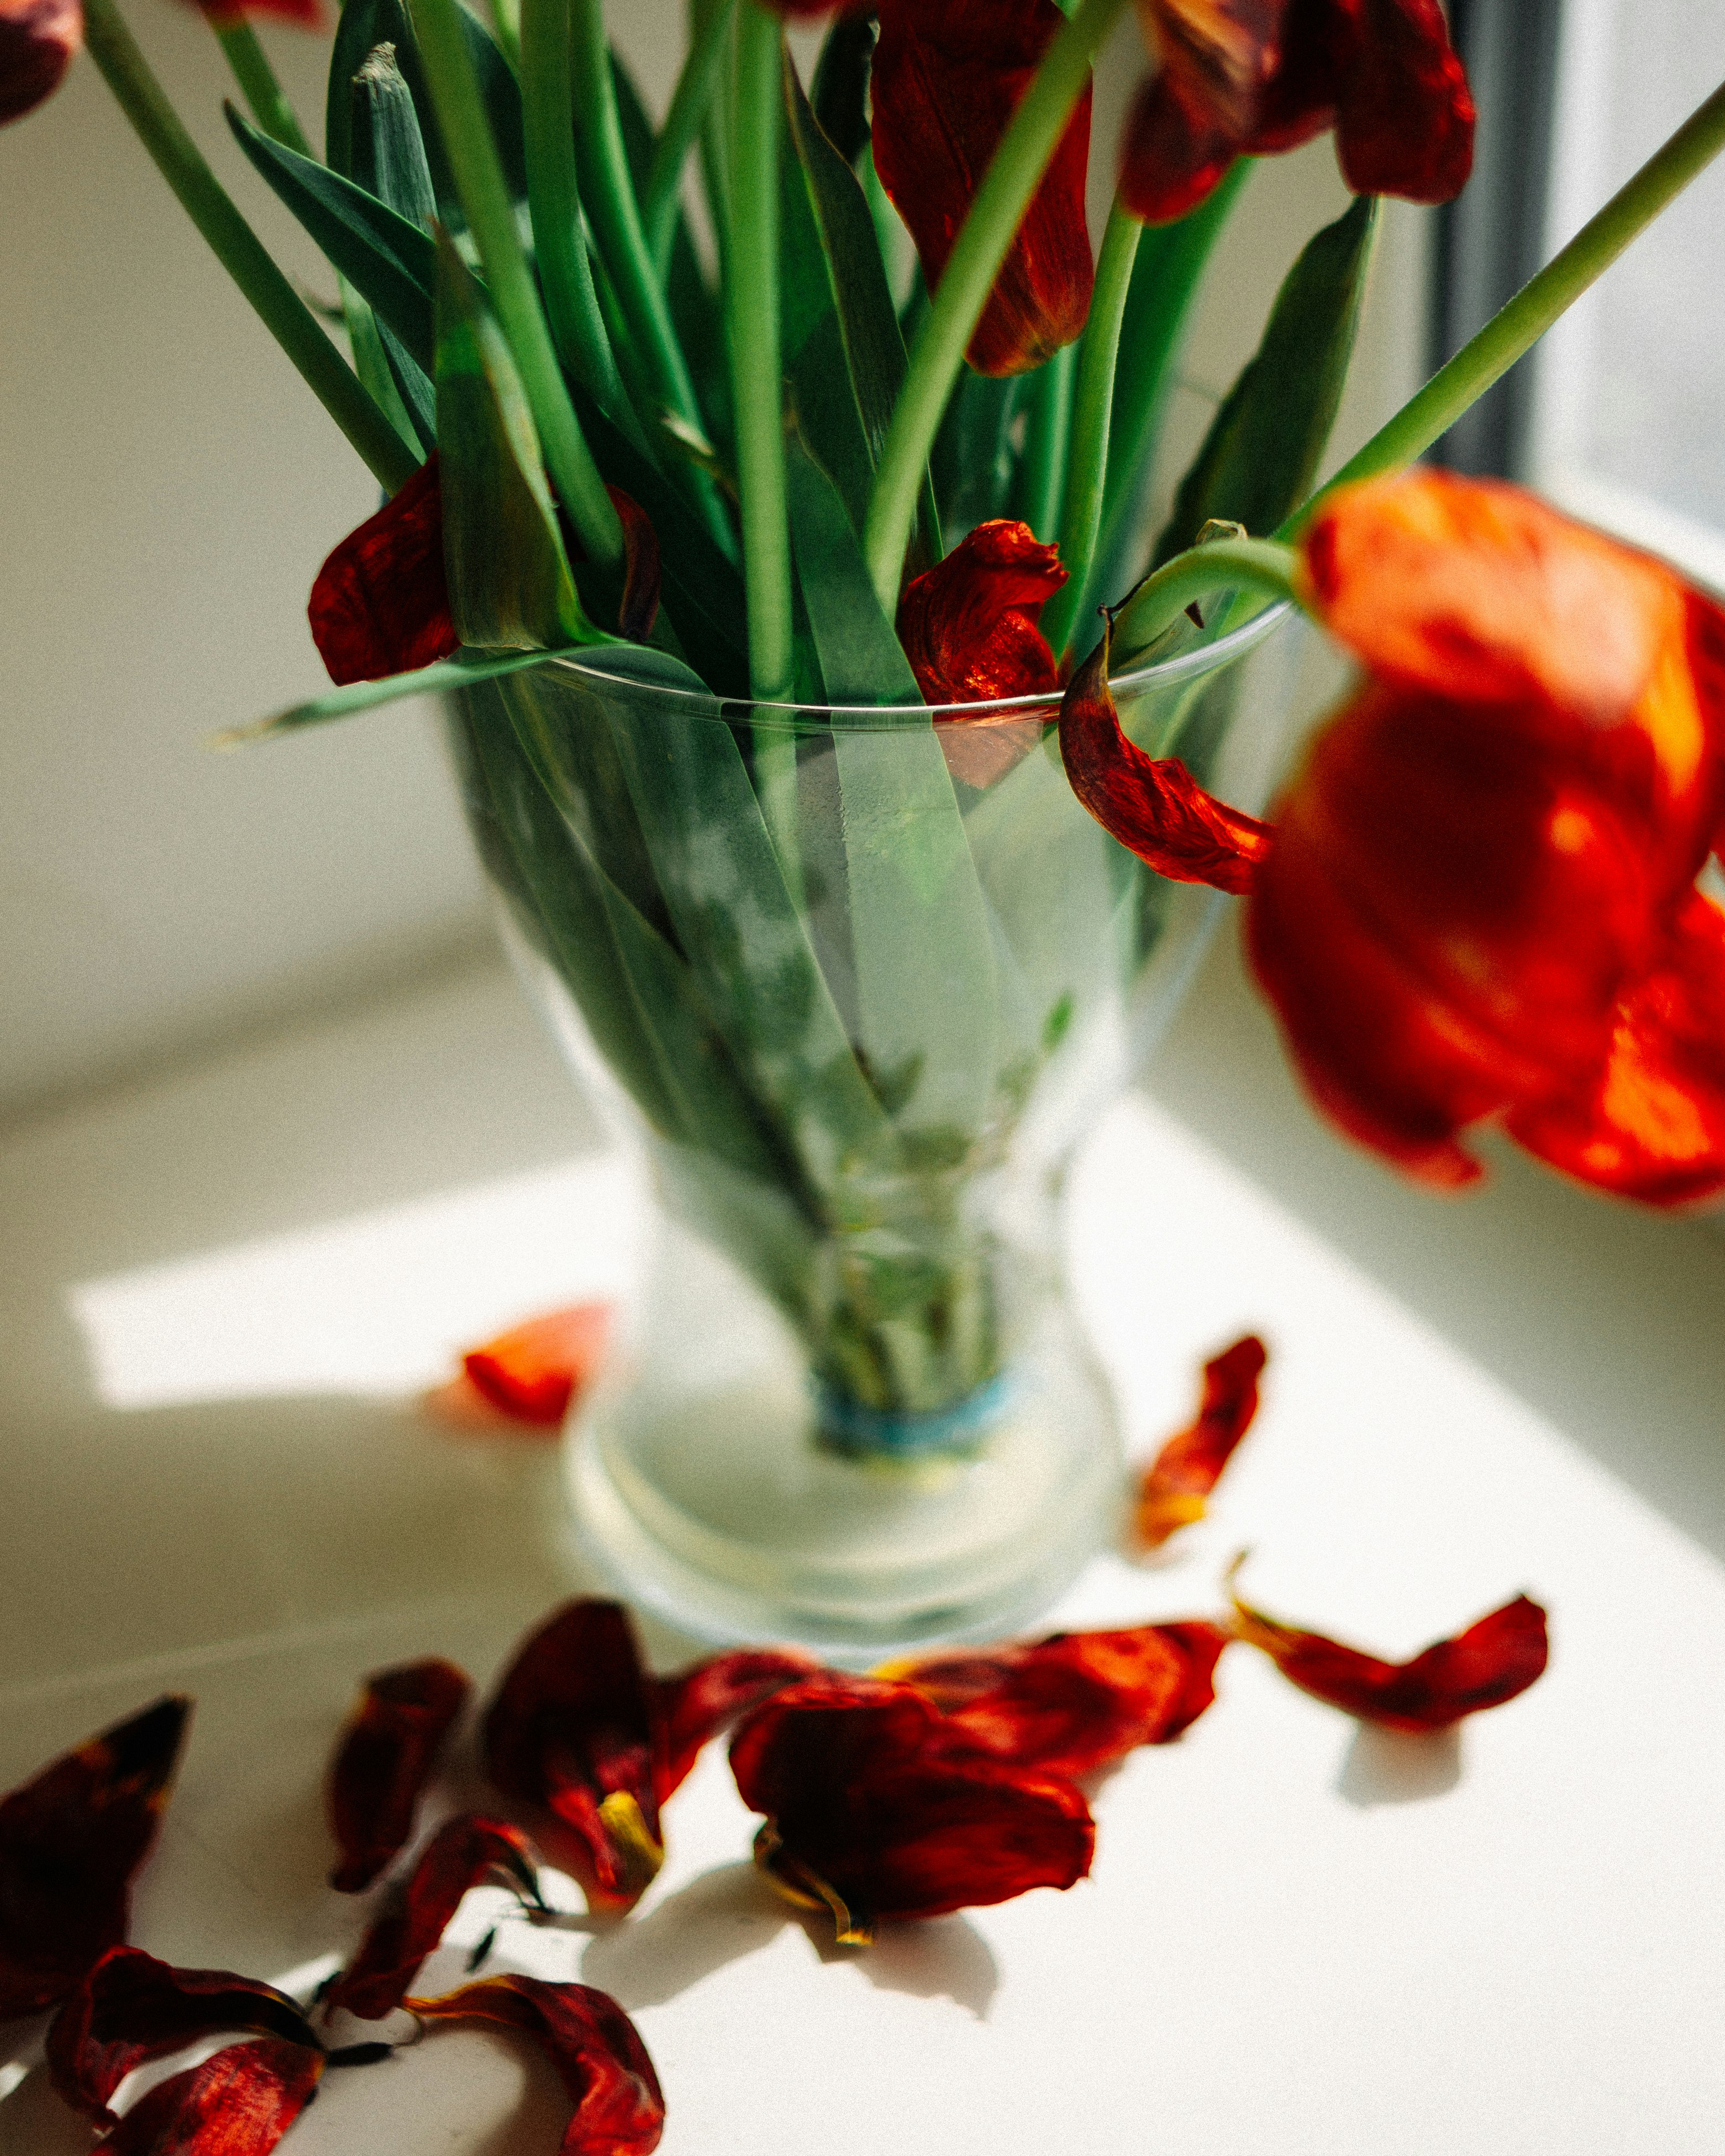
(597, 2049)
(384, 1758)
(132, 2008)
(38, 39)
(572, 1728)
(948, 75)
(1152, 806)
(534, 1371)
(464, 1853)
(1490, 1662)
(71, 1841)
(1173, 1488)
(239, 2103)
(304, 14)
(694, 1704)
(380, 602)
(873, 1809)
(640, 608)
(1076, 1701)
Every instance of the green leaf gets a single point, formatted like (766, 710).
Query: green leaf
(861, 660)
(444, 674)
(509, 583)
(1265, 445)
(389, 261)
(366, 24)
(975, 462)
(388, 145)
(841, 85)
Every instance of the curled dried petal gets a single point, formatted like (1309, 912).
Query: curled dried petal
(694, 1704)
(38, 39)
(464, 1853)
(535, 1371)
(1153, 806)
(71, 1841)
(1490, 1662)
(384, 1758)
(239, 2103)
(1173, 1489)
(380, 604)
(597, 2049)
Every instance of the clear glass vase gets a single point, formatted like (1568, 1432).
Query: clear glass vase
(851, 983)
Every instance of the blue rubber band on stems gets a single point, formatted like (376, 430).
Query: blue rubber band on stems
(878, 1433)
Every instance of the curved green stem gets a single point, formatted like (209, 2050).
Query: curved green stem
(491, 217)
(1525, 318)
(1048, 430)
(240, 250)
(988, 231)
(1087, 461)
(683, 120)
(1263, 565)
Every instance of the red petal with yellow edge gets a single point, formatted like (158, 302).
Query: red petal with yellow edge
(38, 39)
(380, 602)
(534, 1371)
(595, 2047)
(1652, 1124)
(572, 1728)
(384, 1758)
(132, 2008)
(466, 1852)
(1489, 1663)
(1173, 1488)
(239, 2103)
(1154, 807)
(1076, 1701)
(873, 1810)
(948, 75)
(71, 1841)
(693, 1706)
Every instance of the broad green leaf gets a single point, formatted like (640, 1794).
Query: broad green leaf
(841, 84)
(464, 671)
(1264, 447)
(861, 658)
(389, 261)
(974, 462)
(509, 577)
(387, 146)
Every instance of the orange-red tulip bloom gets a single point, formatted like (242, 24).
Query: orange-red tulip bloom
(1254, 77)
(1175, 1488)
(384, 1758)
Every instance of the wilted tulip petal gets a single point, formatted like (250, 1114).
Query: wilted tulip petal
(38, 39)
(694, 1704)
(380, 602)
(533, 1371)
(1490, 1662)
(384, 1759)
(1175, 1486)
(572, 1728)
(595, 2047)
(464, 1853)
(1153, 806)
(239, 2103)
(132, 2008)
(1076, 1701)
(71, 1841)
(873, 1810)
(948, 75)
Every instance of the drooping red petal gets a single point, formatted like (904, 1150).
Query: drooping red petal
(948, 75)
(384, 1759)
(1076, 1701)
(572, 1728)
(239, 2103)
(534, 1371)
(1154, 807)
(1404, 116)
(1650, 1124)
(303, 14)
(641, 571)
(38, 39)
(694, 1704)
(1173, 1489)
(873, 1809)
(464, 1853)
(1490, 1662)
(71, 1841)
(380, 602)
(1171, 157)
(132, 2008)
(597, 2049)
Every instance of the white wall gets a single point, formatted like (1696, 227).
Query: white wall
(169, 489)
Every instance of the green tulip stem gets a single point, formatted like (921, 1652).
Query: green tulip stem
(1521, 321)
(1264, 566)
(683, 122)
(1047, 441)
(240, 250)
(479, 179)
(258, 82)
(1087, 458)
(996, 213)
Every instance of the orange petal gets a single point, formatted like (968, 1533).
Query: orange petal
(1173, 1491)
(386, 1750)
(536, 1370)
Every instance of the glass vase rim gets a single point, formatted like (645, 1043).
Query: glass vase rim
(1177, 667)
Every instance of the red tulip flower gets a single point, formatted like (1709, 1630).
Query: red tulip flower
(1253, 77)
